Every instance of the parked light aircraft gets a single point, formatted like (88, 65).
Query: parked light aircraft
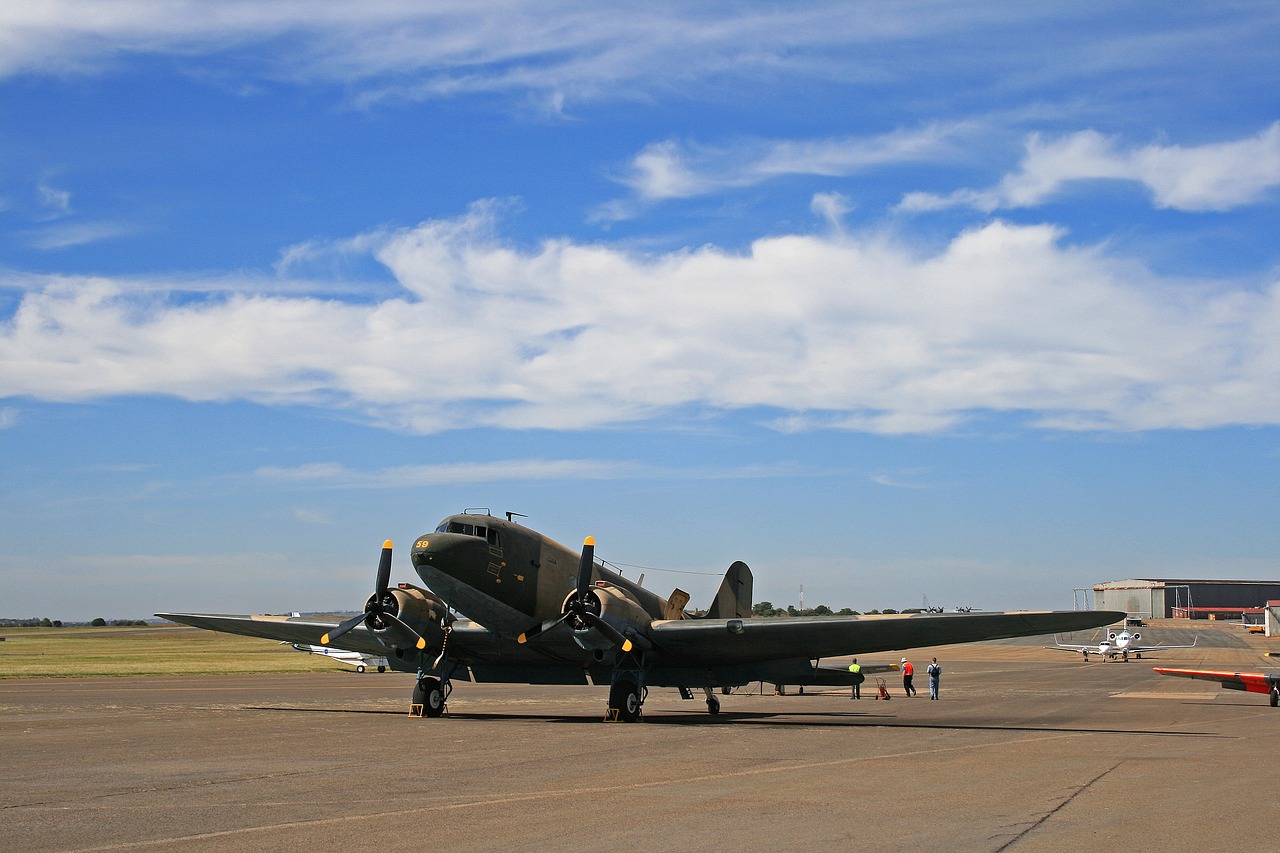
(360, 660)
(1116, 645)
(1251, 682)
(547, 615)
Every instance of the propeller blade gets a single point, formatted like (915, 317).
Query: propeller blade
(343, 628)
(401, 631)
(586, 564)
(611, 633)
(375, 607)
(384, 569)
(540, 629)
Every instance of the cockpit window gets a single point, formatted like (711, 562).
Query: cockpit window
(487, 533)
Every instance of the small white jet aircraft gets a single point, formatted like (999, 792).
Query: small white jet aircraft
(357, 659)
(1116, 645)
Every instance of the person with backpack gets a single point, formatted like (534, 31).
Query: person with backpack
(935, 675)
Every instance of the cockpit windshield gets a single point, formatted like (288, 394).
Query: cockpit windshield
(467, 529)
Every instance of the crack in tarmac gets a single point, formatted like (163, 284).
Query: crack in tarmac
(1043, 818)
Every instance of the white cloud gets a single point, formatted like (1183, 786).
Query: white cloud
(668, 170)
(8, 417)
(837, 331)
(1213, 177)
(71, 234)
(336, 475)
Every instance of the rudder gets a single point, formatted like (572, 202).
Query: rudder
(733, 599)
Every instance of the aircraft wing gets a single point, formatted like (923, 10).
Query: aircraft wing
(1161, 648)
(1252, 682)
(717, 642)
(289, 629)
(1064, 647)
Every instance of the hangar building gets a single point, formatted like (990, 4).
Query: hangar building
(1164, 598)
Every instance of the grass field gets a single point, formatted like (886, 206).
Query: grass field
(151, 650)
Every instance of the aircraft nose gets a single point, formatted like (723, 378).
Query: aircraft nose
(450, 553)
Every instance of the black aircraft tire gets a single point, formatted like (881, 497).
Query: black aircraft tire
(713, 706)
(1275, 696)
(430, 695)
(360, 668)
(625, 696)
(382, 669)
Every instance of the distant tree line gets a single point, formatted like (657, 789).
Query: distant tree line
(46, 622)
(766, 610)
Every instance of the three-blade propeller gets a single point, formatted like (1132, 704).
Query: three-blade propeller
(582, 609)
(380, 612)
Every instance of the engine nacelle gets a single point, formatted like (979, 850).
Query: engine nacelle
(420, 609)
(614, 606)
(1137, 636)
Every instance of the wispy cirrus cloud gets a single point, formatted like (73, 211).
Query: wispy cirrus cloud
(843, 331)
(68, 235)
(337, 475)
(1212, 177)
(672, 170)
(562, 52)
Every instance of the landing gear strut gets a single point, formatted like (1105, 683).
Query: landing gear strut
(713, 704)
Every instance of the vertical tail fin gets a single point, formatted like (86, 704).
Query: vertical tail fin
(733, 599)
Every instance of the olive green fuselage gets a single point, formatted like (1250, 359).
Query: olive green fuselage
(506, 576)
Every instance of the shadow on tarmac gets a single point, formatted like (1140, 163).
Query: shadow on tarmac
(810, 719)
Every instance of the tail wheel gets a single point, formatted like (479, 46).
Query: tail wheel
(430, 695)
(625, 697)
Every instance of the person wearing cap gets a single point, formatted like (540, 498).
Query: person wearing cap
(907, 672)
(935, 675)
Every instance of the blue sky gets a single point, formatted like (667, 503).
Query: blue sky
(978, 303)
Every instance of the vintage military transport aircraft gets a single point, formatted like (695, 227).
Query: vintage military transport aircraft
(547, 615)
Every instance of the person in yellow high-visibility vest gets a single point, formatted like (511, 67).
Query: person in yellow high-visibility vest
(858, 678)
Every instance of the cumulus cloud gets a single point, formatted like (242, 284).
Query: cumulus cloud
(831, 331)
(1213, 177)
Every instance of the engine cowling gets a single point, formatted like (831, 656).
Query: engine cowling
(614, 606)
(420, 609)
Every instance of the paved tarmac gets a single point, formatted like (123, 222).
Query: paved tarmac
(1028, 750)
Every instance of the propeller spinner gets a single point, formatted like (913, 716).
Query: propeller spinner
(380, 612)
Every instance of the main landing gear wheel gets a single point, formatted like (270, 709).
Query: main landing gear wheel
(625, 697)
(382, 669)
(430, 695)
(713, 705)
(1275, 696)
